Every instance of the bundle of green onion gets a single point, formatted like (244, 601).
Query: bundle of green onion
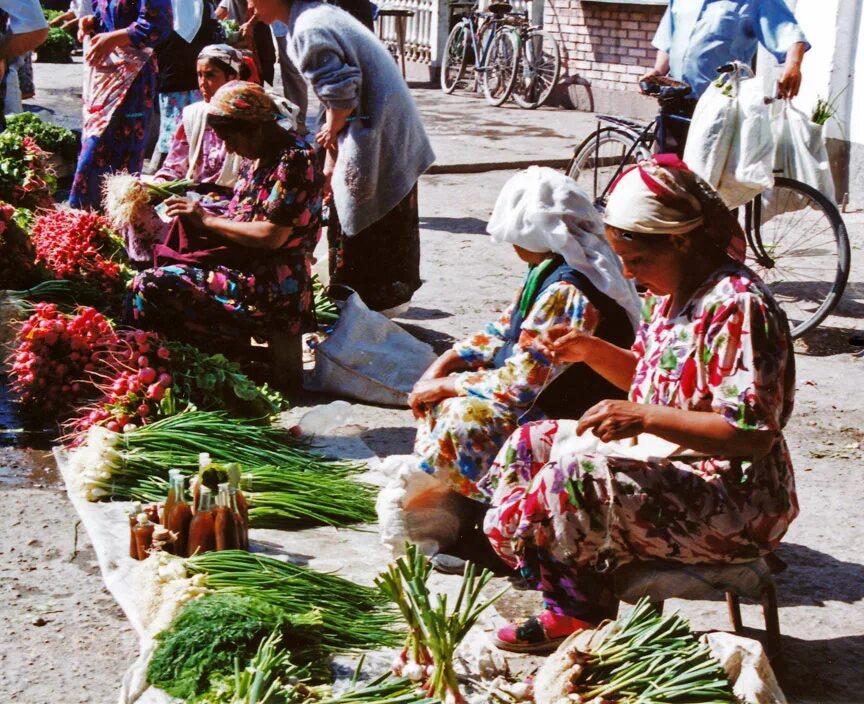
(326, 310)
(653, 659)
(434, 631)
(352, 617)
(166, 189)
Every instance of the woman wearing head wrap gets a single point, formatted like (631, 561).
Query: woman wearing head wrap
(710, 378)
(221, 280)
(476, 394)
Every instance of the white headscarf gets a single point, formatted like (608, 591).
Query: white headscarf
(542, 210)
(188, 15)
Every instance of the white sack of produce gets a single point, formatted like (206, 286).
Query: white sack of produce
(800, 151)
(370, 358)
(747, 666)
(712, 131)
(417, 508)
(750, 169)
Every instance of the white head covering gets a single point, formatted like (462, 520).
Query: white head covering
(188, 15)
(542, 210)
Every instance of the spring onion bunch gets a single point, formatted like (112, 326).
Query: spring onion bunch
(326, 311)
(352, 617)
(652, 659)
(434, 631)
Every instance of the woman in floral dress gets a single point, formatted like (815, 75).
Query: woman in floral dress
(711, 373)
(475, 395)
(221, 280)
(119, 90)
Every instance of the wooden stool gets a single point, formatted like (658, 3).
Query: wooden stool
(660, 581)
(400, 16)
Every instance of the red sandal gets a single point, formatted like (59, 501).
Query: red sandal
(539, 634)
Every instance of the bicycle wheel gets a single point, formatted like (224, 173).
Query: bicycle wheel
(539, 69)
(502, 62)
(798, 245)
(455, 57)
(595, 162)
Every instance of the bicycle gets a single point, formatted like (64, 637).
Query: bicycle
(491, 45)
(796, 239)
(539, 63)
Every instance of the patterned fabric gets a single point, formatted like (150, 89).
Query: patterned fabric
(170, 111)
(227, 55)
(244, 101)
(267, 288)
(118, 141)
(210, 160)
(557, 514)
(459, 437)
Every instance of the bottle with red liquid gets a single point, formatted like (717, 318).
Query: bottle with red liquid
(171, 498)
(202, 537)
(180, 518)
(133, 521)
(143, 531)
(225, 521)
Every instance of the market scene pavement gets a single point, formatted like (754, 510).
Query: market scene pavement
(66, 640)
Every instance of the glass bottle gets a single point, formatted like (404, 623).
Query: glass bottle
(133, 521)
(225, 521)
(171, 498)
(144, 535)
(242, 528)
(181, 517)
(201, 529)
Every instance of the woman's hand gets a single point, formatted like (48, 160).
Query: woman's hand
(614, 420)
(327, 136)
(564, 345)
(85, 27)
(428, 392)
(189, 210)
(101, 46)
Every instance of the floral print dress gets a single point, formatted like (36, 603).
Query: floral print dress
(460, 436)
(120, 146)
(262, 289)
(560, 517)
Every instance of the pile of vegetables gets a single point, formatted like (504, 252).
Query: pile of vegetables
(79, 245)
(647, 657)
(326, 311)
(125, 194)
(291, 485)
(56, 356)
(50, 137)
(25, 178)
(254, 596)
(18, 268)
(57, 48)
(434, 631)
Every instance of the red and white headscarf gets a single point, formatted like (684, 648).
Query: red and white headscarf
(661, 196)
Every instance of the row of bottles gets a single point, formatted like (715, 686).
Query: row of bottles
(210, 522)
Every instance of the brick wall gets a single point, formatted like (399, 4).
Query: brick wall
(607, 45)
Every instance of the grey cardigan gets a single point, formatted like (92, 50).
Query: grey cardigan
(384, 148)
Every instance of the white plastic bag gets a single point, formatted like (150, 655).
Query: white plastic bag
(712, 130)
(730, 143)
(417, 508)
(800, 151)
(370, 358)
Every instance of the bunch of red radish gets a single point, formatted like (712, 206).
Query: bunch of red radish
(136, 380)
(78, 245)
(57, 355)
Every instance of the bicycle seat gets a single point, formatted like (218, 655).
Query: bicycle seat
(500, 8)
(664, 88)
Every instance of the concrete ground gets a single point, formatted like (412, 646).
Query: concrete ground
(64, 639)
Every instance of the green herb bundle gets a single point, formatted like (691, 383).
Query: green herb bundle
(211, 632)
(434, 631)
(352, 617)
(652, 659)
(326, 311)
(57, 48)
(50, 137)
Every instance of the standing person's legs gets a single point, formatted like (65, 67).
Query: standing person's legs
(294, 86)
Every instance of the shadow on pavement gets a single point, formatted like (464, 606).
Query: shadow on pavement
(813, 578)
(823, 670)
(468, 226)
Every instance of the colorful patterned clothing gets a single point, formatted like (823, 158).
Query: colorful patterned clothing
(555, 515)
(171, 106)
(265, 289)
(120, 144)
(458, 439)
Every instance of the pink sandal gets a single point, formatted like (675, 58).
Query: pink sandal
(539, 634)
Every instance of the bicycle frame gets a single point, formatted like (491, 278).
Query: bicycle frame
(474, 28)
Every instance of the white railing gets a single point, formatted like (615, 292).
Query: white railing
(426, 30)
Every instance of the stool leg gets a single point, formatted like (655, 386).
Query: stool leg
(734, 611)
(773, 644)
(400, 40)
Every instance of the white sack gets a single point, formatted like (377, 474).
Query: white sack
(800, 151)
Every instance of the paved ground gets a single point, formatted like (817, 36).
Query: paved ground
(54, 603)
